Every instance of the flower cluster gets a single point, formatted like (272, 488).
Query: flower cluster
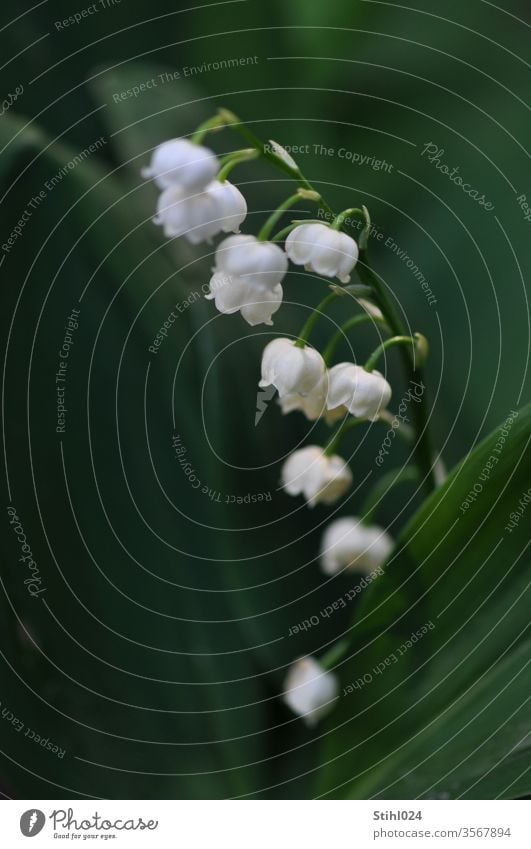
(197, 202)
(193, 203)
(248, 271)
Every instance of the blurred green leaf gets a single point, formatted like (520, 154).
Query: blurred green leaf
(449, 714)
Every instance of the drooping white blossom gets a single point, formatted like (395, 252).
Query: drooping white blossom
(181, 163)
(349, 544)
(247, 277)
(313, 405)
(322, 250)
(220, 207)
(363, 393)
(309, 690)
(292, 369)
(315, 475)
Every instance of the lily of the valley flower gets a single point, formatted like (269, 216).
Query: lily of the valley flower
(363, 393)
(179, 162)
(292, 369)
(247, 277)
(313, 405)
(315, 475)
(309, 690)
(322, 250)
(348, 544)
(220, 207)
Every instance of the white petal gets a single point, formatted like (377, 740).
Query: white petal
(347, 543)
(309, 690)
(179, 162)
(328, 252)
(292, 369)
(365, 394)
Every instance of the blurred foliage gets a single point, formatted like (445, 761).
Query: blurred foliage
(162, 640)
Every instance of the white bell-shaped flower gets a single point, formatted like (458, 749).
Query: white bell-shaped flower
(247, 277)
(309, 690)
(315, 475)
(292, 369)
(348, 544)
(313, 405)
(364, 393)
(179, 162)
(322, 250)
(220, 207)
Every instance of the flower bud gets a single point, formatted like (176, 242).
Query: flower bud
(322, 250)
(348, 544)
(293, 370)
(247, 277)
(309, 690)
(179, 162)
(220, 207)
(315, 475)
(364, 393)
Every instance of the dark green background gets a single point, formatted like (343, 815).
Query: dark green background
(164, 629)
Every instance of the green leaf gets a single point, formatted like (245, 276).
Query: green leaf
(447, 714)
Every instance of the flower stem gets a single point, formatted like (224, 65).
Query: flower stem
(355, 321)
(362, 213)
(278, 237)
(389, 343)
(382, 487)
(231, 120)
(281, 235)
(233, 159)
(337, 223)
(334, 655)
(269, 225)
(342, 430)
(309, 324)
(412, 368)
(212, 124)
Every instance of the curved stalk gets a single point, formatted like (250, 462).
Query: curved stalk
(355, 321)
(389, 343)
(264, 233)
(334, 655)
(314, 317)
(412, 368)
(229, 162)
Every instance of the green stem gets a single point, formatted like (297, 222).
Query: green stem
(229, 162)
(277, 215)
(389, 343)
(362, 213)
(334, 655)
(278, 237)
(342, 431)
(231, 120)
(337, 223)
(348, 325)
(281, 235)
(382, 487)
(215, 123)
(412, 368)
(403, 430)
(356, 290)
(314, 317)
